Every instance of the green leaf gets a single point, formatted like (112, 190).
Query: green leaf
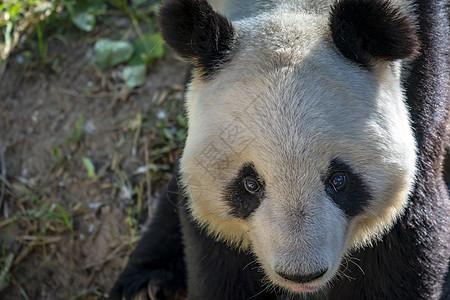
(109, 53)
(60, 37)
(15, 10)
(182, 121)
(83, 12)
(83, 20)
(134, 75)
(64, 217)
(157, 46)
(77, 133)
(181, 135)
(147, 48)
(89, 167)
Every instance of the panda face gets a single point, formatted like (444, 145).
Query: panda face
(295, 152)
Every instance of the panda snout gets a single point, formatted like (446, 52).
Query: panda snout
(302, 277)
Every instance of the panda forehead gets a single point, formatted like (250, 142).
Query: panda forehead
(280, 32)
(288, 111)
(282, 27)
(289, 101)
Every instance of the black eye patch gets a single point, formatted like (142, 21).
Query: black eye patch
(346, 188)
(245, 192)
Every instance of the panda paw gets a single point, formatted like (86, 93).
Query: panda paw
(150, 285)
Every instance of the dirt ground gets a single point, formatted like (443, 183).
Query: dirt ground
(65, 233)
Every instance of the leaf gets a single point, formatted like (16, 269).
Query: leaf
(89, 167)
(64, 217)
(83, 20)
(181, 135)
(60, 37)
(77, 133)
(147, 48)
(182, 121)
(134, 75)
(157, 46)
(109, 53)
(83, 12)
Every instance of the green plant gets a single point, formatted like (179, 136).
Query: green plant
(26, 19)
(59, 158)
(44, 213)
(83, 13)
(139, 54)
(16, 18)
(77, 134)
(90, 168)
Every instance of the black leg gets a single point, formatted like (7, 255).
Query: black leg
(158, 259)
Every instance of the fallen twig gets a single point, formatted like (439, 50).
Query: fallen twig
(38, 240)
(7, 221)
(23, 254)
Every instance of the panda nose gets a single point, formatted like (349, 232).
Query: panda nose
(303, 278)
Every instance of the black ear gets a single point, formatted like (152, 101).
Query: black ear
(197, 33)
(364, 30)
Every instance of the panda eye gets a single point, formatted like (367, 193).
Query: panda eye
(251, 185)
(338, 181)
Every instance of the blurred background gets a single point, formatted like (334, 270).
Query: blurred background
(91, 124)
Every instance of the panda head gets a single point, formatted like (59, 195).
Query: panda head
(300, 147)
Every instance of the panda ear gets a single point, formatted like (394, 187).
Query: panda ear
(364, 30)
(197, 33)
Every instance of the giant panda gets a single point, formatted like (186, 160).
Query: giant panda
(313, 163)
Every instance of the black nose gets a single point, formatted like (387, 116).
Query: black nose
(302, 278)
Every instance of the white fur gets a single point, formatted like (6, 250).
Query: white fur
(289, 103)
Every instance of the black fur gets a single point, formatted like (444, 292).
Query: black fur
(354, 196)
(364, 30)
(216, 271)
(158, 259)
(197, 33)
(412, 259)
(242, 202)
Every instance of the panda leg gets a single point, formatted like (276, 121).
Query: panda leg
(157, 264)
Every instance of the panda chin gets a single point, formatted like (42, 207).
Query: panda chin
(303, 288)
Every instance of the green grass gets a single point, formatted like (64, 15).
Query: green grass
(77, 134)
(46, 213)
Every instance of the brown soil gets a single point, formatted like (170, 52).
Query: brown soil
(39, 109)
